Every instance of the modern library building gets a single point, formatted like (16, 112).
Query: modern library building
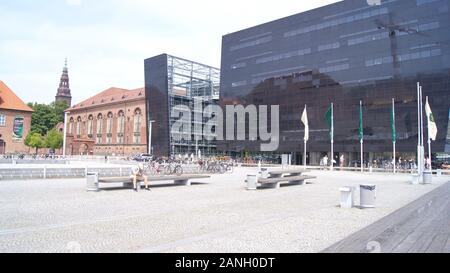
(344, 53)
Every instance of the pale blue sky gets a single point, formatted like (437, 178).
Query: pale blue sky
(106, 41)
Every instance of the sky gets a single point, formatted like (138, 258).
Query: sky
(106, 41)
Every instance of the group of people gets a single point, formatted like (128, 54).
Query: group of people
(324, 161)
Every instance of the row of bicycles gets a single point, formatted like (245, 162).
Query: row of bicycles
(174, 167)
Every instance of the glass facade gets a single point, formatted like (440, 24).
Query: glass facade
(172, 82)
(343, 53)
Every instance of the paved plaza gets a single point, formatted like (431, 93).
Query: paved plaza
(213, 215)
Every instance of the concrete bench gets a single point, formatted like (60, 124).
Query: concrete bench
(127, 181)
(275, 182)
(292, 172)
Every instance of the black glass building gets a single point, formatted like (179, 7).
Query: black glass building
(343, 53)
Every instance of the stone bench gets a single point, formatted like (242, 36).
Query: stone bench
(127, 181)
(275, 182)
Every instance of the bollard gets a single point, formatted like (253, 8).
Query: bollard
(368, 196)
(252, 182)
(427, 177)
(45, 171)
(92, 181)
(347, 197)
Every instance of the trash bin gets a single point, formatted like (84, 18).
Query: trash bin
(347, 197)
(252, 182)
(368, 196)
(264, 173)
(439, 172)
(92, 181)
(427, 177)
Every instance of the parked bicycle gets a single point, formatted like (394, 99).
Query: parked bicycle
(173, 168)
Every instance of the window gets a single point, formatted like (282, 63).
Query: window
(137, 126)
(121, 127)
(2, 120)
(99, 128)
(79, 127)
(90, 126)
(329, 46)
(239, 65)
(71, 126)
(109, 126)
(241, 83)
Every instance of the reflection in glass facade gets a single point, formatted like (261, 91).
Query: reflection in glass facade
(343, 53)
(170, 82)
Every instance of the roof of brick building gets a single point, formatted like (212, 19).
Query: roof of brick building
(9, 100)
(111, 95)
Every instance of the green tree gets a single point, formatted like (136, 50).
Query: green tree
(46, 117)
(54, 140)
(34, 140)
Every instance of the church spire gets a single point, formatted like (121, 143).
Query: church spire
(64, 88)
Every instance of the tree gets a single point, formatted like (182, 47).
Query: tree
(54, 140)
(34, 140)
(46, 117)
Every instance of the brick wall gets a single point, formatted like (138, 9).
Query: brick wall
(14, 146)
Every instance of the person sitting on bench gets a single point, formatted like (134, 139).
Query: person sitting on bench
(138, 173)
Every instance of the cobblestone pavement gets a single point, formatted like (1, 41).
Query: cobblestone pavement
(213, 215)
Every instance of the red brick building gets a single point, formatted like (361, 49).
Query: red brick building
(15, 122)
(112, 122)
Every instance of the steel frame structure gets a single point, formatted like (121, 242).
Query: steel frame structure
(189, 81)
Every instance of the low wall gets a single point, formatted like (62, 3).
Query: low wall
(55, 172)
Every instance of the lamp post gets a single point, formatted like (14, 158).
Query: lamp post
(150, 124)
(65, 133)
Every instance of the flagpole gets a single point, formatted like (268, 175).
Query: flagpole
(394, 135)
(362, 138)
(418, 129)
(304, 156)
(65, 134)
(305, 140)
(332, 136)
(429, 139)
(422, 149)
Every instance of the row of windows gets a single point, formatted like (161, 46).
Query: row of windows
(423, 2)
(252, 43)
(302, 52)
(384, 35)
(328, 46)
(337, 22)
(261, 77)
(274, 58)
(341, 67)
(334, 68)
(404, 57)
(109, 124)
